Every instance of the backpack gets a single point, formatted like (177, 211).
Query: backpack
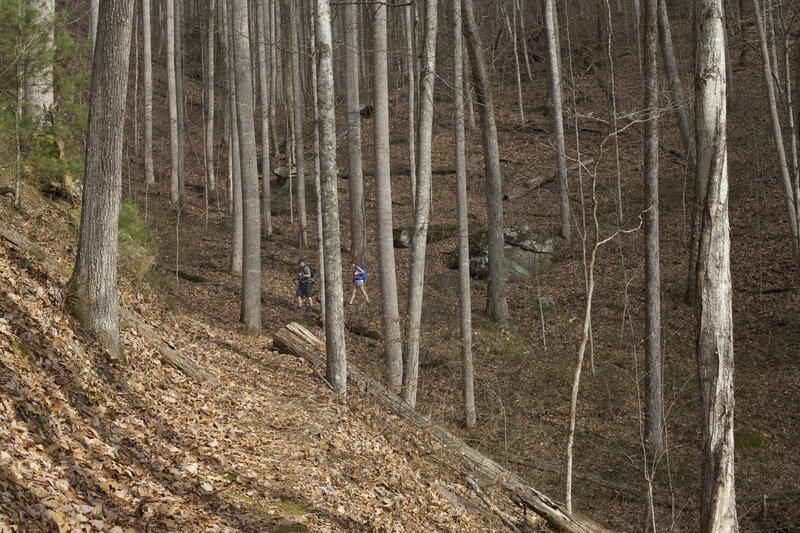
(313, 278)
(364, 275)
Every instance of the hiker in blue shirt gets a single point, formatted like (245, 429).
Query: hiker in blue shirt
(359, 282)
(306, 277)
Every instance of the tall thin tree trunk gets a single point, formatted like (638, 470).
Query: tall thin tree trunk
(172, 102)
(416, 277)
(93, 285)
(317, 165)
(512, 29)
(390, 314)
(251, 272)
(465, 298)
(147, 58)
(713, 300)
(468, 89)
(299, 101)
(336, 369)
(237, 238)
(273, 64)
(554, 83)
(263, 86)
(181, 99)
(94, 10)
(355, 175)
(496, 305)
(39, 83)
(408, 17)
(777, 133)
(654, 410)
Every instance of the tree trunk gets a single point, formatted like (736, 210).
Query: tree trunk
(777, 133)
(408, 18)
(147, 58)
(336, 368)
(390, 314)
(94, 10)
(554, 84)
(235, 259)
(263, 86)
(713, 299)
(39, 84)
(465, 298)
(653, 410)
(416, 277)
(298, 99)
(273, 65)
(172, 103)
(93, 285)
(355, 175)
(181, 100)
(496, 305)
(317, 166)
(251, 272)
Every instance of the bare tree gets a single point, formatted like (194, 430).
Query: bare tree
(554, 84)
(147, 58)
(355, 175)
(263, 91)
(654, 410)
(235, 258)
(336, 369)
(408, 18)
(416, 276)
(713, 299)
(390, 314)
(181, 100)
(465, 298)
(172, 103)
(777, 133)
(251, 271)
(298, 99)
(92, 288)
(496, 305)
(39, 83)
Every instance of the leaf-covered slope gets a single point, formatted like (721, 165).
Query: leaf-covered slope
(89, 446)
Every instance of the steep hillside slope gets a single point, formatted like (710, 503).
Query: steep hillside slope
(85, 445)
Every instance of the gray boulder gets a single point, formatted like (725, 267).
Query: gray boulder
(526, 251)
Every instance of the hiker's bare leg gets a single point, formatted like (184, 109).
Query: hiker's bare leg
(352, 295)
(364, 291)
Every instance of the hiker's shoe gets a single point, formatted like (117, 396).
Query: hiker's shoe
(348, 304)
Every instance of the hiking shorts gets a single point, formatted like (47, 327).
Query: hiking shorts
(305, 290)
(358, 283)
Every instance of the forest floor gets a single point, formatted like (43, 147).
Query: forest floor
(272, 429)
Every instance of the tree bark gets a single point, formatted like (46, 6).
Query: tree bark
(172, 104)
(336, 368)
(147, 58)
(416, 277)
(358, 230)
(554, 84)
(251, 271)
(408, 18)
(713, 299)
(237, 238)
(496, 305)
(93, 286)
(653, 409)
(390, 314)
(263, 91)
(465, 297)
(298, 99)
(39, 84)
(181, 101)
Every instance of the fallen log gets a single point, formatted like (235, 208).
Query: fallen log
(294, 339)
(537, 181)
(168, 353)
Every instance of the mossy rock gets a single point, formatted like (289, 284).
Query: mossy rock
(436, 232)
(526, 251)
(280, 197)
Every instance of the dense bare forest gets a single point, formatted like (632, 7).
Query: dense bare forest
(437, 265)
